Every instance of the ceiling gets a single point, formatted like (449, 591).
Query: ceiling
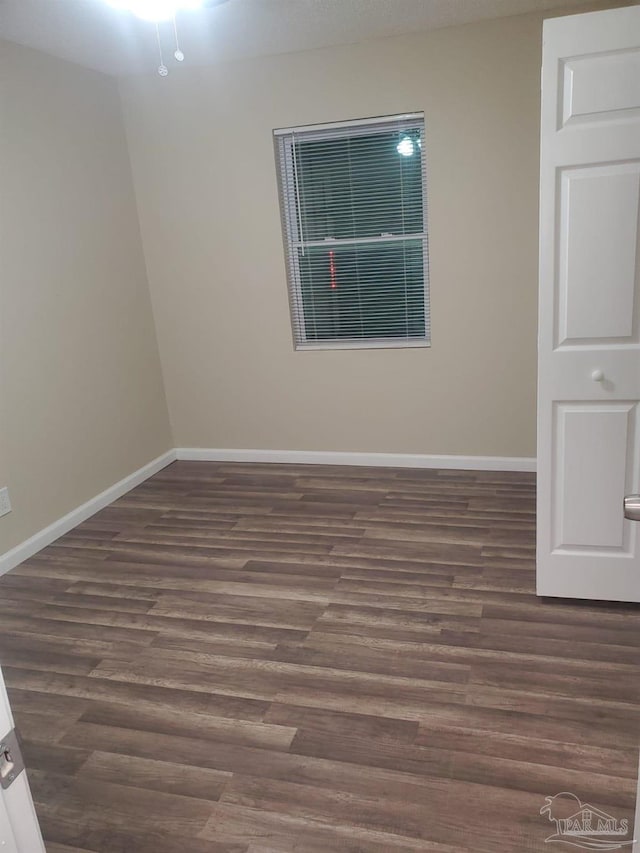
(94, 34)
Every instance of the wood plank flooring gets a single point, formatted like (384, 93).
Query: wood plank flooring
(241, 658)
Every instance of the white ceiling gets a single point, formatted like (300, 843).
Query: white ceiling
(96, 35)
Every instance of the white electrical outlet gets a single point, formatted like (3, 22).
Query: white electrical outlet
(5, 503)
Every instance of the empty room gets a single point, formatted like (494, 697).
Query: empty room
(319, 426)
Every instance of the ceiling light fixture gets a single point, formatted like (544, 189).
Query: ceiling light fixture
(161, 11)
(155, 10)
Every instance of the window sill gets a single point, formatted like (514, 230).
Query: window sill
(368, 344)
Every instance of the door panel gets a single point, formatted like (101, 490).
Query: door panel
(589, 325)
(586, 497)
(593, 254)
(602, 87)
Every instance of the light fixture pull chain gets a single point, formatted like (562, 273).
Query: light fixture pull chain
(162, 68)
(179, 55)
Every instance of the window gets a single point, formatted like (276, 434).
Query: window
(353, 205)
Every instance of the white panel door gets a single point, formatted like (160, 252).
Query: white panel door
(19, 830)
(589, 322)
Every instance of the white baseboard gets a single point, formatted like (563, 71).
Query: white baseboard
(386, 460)
(10, 559)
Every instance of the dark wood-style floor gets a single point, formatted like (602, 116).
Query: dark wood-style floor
(269, 659)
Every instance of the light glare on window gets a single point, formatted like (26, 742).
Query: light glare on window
(405, 146)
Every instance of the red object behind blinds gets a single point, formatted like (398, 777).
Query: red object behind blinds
(332, 270)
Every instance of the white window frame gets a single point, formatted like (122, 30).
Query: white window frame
(290, 208)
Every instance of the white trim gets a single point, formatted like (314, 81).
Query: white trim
(23, 819)
(336, 125)
(10, 559)
(19, 829)
(383, 460)
(636, 828)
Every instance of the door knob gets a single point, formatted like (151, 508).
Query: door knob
(597, 375)
(632, 507)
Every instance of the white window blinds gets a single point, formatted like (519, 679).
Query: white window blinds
(353, 202)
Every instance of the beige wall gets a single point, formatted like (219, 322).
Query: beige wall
(81, 393)
(202, 154)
